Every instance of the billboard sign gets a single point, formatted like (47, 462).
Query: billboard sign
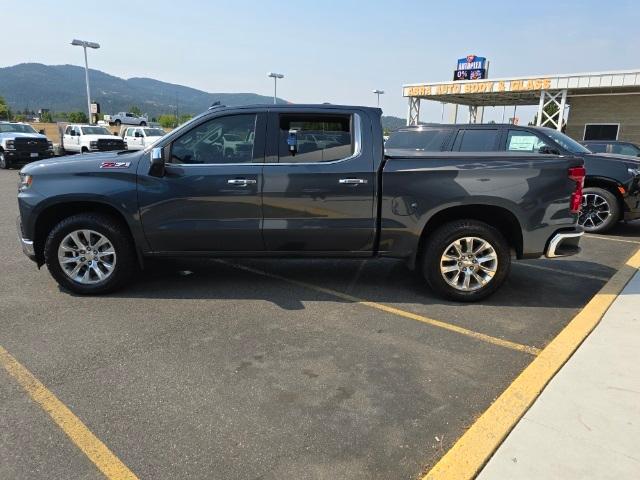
(471, 67)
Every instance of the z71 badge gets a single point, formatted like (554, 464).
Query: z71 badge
(115, 164)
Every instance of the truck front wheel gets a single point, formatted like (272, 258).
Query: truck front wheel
(90, 254)
(4, 163)
(466, 260)
(600, 210)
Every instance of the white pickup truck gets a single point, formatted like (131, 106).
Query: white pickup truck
(127, 118)
(90, 138)
(139, 138)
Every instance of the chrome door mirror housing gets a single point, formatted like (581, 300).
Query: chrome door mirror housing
(156, 168)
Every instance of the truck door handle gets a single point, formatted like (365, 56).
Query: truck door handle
(241, 182)
(352, 181)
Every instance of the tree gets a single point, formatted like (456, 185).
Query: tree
(5, 111)
(185, 117)
(135, 110)
(167, 121)
(46, 117)
(550, 109)
(78, 117)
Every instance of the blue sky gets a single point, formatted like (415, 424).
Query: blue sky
(334, 51)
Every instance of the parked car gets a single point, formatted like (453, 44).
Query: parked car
(139, 138)
(127, 118)
(613, 146)
(612, 183)
(90, 138)
(21, 144)
(458, 218)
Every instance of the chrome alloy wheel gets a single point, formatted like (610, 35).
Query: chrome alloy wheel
(594, 212)
(86, 256)
(469, 263)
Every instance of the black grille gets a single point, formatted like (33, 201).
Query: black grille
(110, 144)
(31, 145)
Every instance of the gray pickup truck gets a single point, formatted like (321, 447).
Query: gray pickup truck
(301, 181)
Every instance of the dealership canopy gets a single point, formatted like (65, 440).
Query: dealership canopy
(534, 90)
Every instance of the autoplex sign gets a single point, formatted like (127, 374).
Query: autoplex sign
(487, 86)
(471, 67)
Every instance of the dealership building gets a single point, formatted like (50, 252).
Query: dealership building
(586, 106)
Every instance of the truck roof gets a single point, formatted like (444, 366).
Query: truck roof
(470, 125)
(293, 106)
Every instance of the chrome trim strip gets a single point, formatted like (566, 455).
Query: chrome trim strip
(357, 151)
(557, 239)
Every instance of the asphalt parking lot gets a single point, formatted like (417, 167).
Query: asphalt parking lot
(256, 369)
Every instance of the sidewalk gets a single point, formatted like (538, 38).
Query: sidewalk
(586, 422)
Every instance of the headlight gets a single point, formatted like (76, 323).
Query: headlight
(11, 145)
(25, 181)
(93, 144)
(50, 145)
(634, 171)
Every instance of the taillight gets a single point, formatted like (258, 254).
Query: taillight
(577, 174)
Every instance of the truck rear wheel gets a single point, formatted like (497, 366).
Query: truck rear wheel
(89, 254)
(466, 260)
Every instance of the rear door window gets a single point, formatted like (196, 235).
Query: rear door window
(421, 140)
(476, 140)
(321, 138)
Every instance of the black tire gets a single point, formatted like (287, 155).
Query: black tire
(591, 215)
(440, 241)
(4, 163)
(84, 150)
(125, 264)
(118, 123)
(143, 124)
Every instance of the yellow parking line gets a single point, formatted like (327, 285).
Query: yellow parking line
(80, 435)
(469, 454)
(396, 311)
(602, 237)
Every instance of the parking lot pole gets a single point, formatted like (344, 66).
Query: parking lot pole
(86, 76)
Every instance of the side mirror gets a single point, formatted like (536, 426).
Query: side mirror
(292, 142)
(72, 133)
(115, 134)
(156, 168)
(41, 131)
(138, 135)
(546, 150)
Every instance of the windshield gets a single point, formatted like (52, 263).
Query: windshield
(16, 127)
(566, 142)
(153, 132)
(95, 131)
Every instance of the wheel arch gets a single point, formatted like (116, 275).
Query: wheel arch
(608, 184)
(53, 214)
(501, 218)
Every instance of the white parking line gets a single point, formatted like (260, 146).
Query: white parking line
(563, 272)
(602, 237)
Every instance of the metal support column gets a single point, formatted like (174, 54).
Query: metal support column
(556, 119)
(413, 113)
(473, 114)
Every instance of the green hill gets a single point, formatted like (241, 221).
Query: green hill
(61, 88)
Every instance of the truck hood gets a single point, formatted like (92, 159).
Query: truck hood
(613, 157)
(99, 137)
(12, 135)
(86, 163)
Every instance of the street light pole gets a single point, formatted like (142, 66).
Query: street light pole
(84, 44)
(275, 77)
(378, 93)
